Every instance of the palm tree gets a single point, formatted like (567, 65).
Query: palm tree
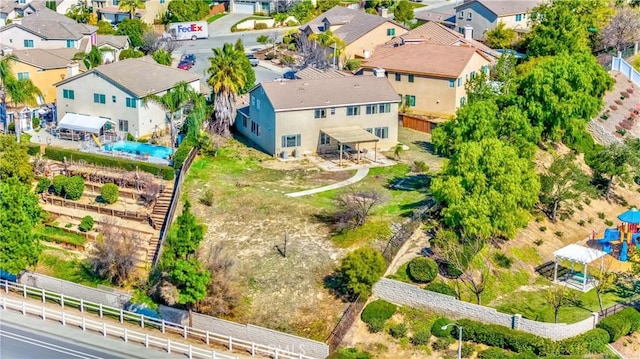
(131, 6)
(330, 41)
(226, 77)
(174, 102)
(22, 91)
(92, 58)
(6, 75)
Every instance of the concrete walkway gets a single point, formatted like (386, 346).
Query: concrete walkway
(360, 174)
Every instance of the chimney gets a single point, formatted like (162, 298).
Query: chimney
(73, 69)
(383, 11)
(468, 32)
(378, 72)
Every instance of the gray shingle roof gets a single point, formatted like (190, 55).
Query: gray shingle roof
(50, 25)
(506, 7)
(140, 76)
(117, 41)
(47, 59)
(339, 91)
(354, 23)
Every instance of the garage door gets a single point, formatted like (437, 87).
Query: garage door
(243, 7)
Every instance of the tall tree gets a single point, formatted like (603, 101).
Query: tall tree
(617, 161)
(556, 29)
(325, 5)
(469, 259)
(14, 160)
(79, 13)
(624, 29)
(227, 77)
(250, 73)
(486, 190)
(563, 184)
(92, 58)
(105, 28)
(303, 11)
(174, 102)
(19, 213)
(501, 37)
(403, 12)
(131, 6)
(134, 28)
(332, 44)
(17, 91)
(559, 297)
(604, 281)
(187, 10)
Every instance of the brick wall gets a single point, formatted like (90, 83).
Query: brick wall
(248, 332)
(413, 296)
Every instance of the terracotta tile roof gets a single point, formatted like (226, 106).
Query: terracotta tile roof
(505, 7)
(423, 58)
(339, 91)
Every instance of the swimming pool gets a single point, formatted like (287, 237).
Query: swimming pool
(137, 148)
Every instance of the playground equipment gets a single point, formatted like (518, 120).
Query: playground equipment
(628, 233)
(97, 140)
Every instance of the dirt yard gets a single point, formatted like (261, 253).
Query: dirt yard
(628, 346)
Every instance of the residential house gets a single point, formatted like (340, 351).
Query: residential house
(312, 73)
(112, 46)
(46, 29)
(481, 16)
(116, 93)
(361, 32)
(109, 10)
(429, 77)
(445, 17)
(45, 68)
(13, 9)
(298, 117)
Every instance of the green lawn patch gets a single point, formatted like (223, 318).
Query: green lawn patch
(234, 27)
(527, 255)
(402, 274)
(72, 270)
(58, 235)
(370, 232)
(215, 17)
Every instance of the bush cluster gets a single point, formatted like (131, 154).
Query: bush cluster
(398, 330)
(502, 260)
(59, 154)
(86, 224)
(43, 185)
(442, 288)
(68, 187)
(422, 270)
(109, 193)
(182, 152)
(620, 324)
(437, 331)
(593, 341)
(376, 313)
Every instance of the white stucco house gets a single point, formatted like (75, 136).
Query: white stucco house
(15, 9)
(114, 94)
(112, 46)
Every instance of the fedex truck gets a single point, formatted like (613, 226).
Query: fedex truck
(191, 30)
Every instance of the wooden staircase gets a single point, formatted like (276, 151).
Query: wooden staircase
(160, 209)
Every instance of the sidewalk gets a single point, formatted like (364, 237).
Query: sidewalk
(360, 174)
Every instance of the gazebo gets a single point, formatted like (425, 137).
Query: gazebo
(577, 254)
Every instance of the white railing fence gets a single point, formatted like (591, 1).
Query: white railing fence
(127, 335)
(205, 336)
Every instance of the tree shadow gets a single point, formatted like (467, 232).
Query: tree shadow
(335, 284)
(419, 182)
(426, 146)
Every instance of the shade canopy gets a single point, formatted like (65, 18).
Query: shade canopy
(82, 123)
(631, 216)
(579, 254)
(350, 134)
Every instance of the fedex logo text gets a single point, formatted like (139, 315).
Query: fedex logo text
(190, 28)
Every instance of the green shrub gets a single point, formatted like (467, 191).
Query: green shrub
(601, 215)
(494, 353)
(73, 187)
(58, 184)
(398, 330)
(436, 328)
(43, 185)
(207, 198)
(442, 343)
(502, 260)
(109, 193)
(608, 222)
(421, 337)
(506, 338)
(182, 152)
(352, 64)
(593, 341)
(442, 288)
(620, 324)
(350, 353)
(376, 325)
(292, 23)
(468, 350)
(33, 149)
(449, 270)
(422, 270)
(86, 224)
(377, 313)
(260, 26)
(58, 154)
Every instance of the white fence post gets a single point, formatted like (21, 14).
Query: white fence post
(44, 313)
(24, 309)
(104, 329)
(162, 326)
(63, 320)
(184, 331)
(169, 346)
(81, 305)
(190, 353)
(62, 300)
(253, 349)
(146, 340)
(276, 357)
(230, 343)
(6, 286)
(24, 291)
(142, 321)
(207, 337)
(84, 326)
(124, 334)
(213, 355)
(44, 297)
(100, 310)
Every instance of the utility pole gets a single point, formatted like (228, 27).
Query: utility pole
(286, 239)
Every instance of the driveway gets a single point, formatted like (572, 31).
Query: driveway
(223, 24)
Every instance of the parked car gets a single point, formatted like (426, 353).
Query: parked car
(253, 60)
(289, 75)
(185, 65)
(191, 58)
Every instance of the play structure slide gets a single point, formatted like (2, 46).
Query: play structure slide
(97, 140)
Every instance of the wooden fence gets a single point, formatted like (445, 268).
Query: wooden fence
(618, 307)
(173, 205)
(133, 215)
(122, 192)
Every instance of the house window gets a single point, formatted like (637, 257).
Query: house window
(459, 81)
(410, 78)
(28, 43)
(372, 109)
(461, 30)
(391, 32)
(320, 113)
(382, 132)
(485, 69)
(324, 139)
(23, 75)
(370, 130)
(123, 125)
(473, 74)
(462, 101)
(131, 102)
(410, 100)
(469, 16)
(164, 1)
(113, 99)
(398, 77)
(353, 110)
(384, 108)
(255, 128)
(115, 2)
(258, 104)
(68, 94)
(519, 17)
(333, 111)
(71, 44)
(253, 101)
(23, 1)
(461, 15)
(452, 83)
(99, 98)
(291, 141)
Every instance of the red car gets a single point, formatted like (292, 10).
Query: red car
(185, 65)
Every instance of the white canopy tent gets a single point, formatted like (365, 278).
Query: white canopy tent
(577, 254)
(83, 123)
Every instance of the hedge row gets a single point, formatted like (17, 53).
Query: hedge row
(376, 313)
(58, 154)
(622, 323)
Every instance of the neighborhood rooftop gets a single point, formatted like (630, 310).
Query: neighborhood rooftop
(330, 92)
(141, 76)
(423, 58)
(507, 7)
(354, 23)
(312, 73)
(47, 59)
(116, 41)
(51, 25)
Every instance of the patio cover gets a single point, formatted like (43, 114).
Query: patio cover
(351, 134)
(82, 123)
(579, 254)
